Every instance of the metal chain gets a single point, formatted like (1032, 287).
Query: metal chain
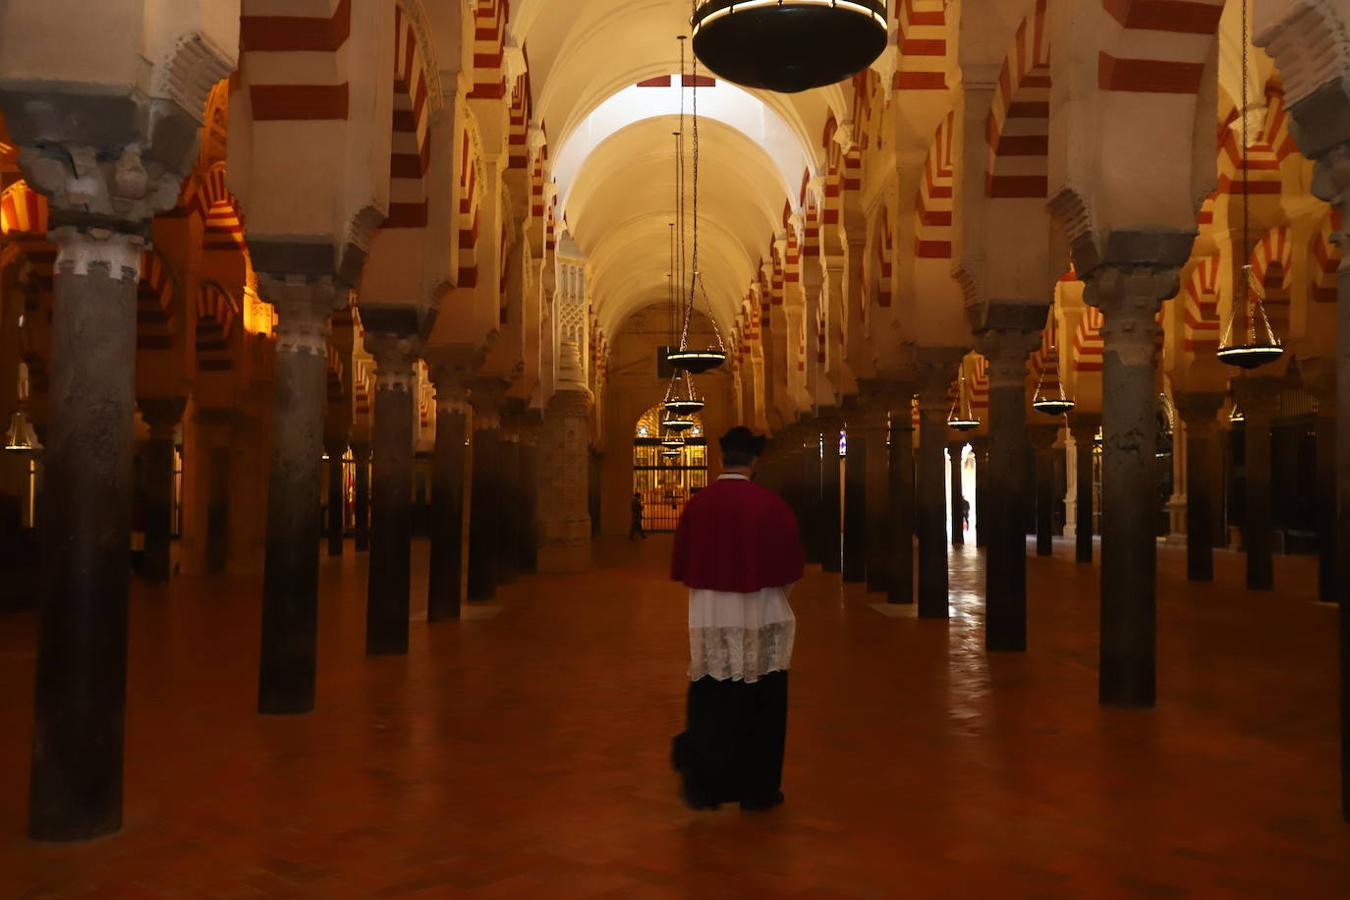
(1246, 193)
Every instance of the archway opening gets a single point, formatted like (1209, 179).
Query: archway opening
(665, 484)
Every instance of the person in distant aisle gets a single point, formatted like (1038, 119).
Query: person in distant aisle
(738, 550)
(637, 531)
(965, 514)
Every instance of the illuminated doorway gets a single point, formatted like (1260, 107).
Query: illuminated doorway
(666, 484)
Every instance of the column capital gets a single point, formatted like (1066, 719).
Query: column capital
(162, 414)
(1043, 437)
(100, 190)
(1006, 350)
(396, 355)
(1129, 297)
(1083, 426)
(936, 369)
(486, 396)
(1199, 410)
(305, 305)
(1259, 395)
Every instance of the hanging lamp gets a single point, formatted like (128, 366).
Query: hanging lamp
(693, 360)
(1257, 344)
(20, 438)
(962, 416)
(789, 45)
(1045, 401)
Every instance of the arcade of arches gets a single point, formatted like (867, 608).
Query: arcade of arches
(331, 333)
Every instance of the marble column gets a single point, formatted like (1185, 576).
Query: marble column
(954, 450)
(390, 573)
(1043, 448)
(445, 575)
(484, 506)
(1327, 565)
(811, 500)
(901, 496)
(831, 537)
(335, 446)
(508, 499)
(1008, 490)
(361, 459)
(980, 448)
(564, 485)
(162, 415)
(1199, 412)
(1259, 397)
(876, 468)
(855, 500)
(1084, 427)
(75, 791)
(1129, 296)
(936, 369)
(304, 307)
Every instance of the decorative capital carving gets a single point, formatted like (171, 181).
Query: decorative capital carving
(162, 414)
(1129, 299)
(395, 357)
(1006, 350)
(305, 307)
(89, 188)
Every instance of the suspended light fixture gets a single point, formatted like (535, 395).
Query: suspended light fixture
(1237, 416)
(1256, 344)
(1046, 401)
(670, 452)
(789, 45)
(20, 438)
(962, 416)
(672, 441)
(693, 360)
(681, 398)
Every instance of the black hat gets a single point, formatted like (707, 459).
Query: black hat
(742, 441)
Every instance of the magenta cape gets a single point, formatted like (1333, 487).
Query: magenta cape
(737, 536)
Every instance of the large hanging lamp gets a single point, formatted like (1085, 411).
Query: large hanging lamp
(1256, 344)
(1048, 401)
(789, 45)
(20, 438)
(687, 358)
(962, 415)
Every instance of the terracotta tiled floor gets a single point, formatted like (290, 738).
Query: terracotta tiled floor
(525, 754)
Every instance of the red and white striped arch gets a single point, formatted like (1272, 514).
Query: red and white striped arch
(216, 315)
(1088, 344)
(921, 26)
(1018, 127)
(1162, 45)
(1272, 263)
(154, 304)
(1326, 259)
(977, 384)
(933, 207)
(489, 49)
(411, 129)
(316, 31)
(1201, 297)
(885, 244)
(469, 199)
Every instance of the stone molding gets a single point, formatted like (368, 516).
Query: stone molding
(89, 190)
(78, 249)
(305, 307)
(162, 414)
(1309, 45)
(1007, 350)
(396, 356)
(1129, 299)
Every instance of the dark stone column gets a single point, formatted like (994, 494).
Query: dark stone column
(214, 430)
(75, 791)
(954, 502)
(1199, 413)
(445, 575)
(1259, 397)
(980, 447)
(1043, 448)
(1084, 428)
(484, 510)
(1008, 488)
(811, 500)
(390, 572)
(830, 510)
(936, 369)
(1129, 296)
(336, 447)
(361, 458)
(901, 494)
(508, 499)
(855, 501)
(1327, 589)
(529, 496)
(876, 486)
(162, 415)
(291, 567)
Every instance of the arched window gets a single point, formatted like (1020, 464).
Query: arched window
(667, 482)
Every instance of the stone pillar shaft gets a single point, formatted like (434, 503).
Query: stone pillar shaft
(566, 484)
(445, 576)
(509, 512)
(1259, 397)
(830, 509)
(529, 502)
(1129, 298)
(335, 450)
(1084, 434)
(162, 414)
(934, 381)
(389, 584)
(954, 503)
(1198, 412)
(901, 472)
(980, 447)
(361, 456)
(855, 502)
(1043, 440)
(484, 518)
(1008, 488)
(876, 465)
(291, 566)
(75, 788)
(811, 502)
(1327, 543)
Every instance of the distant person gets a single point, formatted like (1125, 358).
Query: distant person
(636, 530)
(738, 551)
(965, 514)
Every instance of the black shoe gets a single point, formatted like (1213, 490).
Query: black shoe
(759, 805)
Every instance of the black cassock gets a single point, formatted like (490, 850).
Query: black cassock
(736, 538)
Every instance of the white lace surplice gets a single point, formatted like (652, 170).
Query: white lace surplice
(739, 637)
